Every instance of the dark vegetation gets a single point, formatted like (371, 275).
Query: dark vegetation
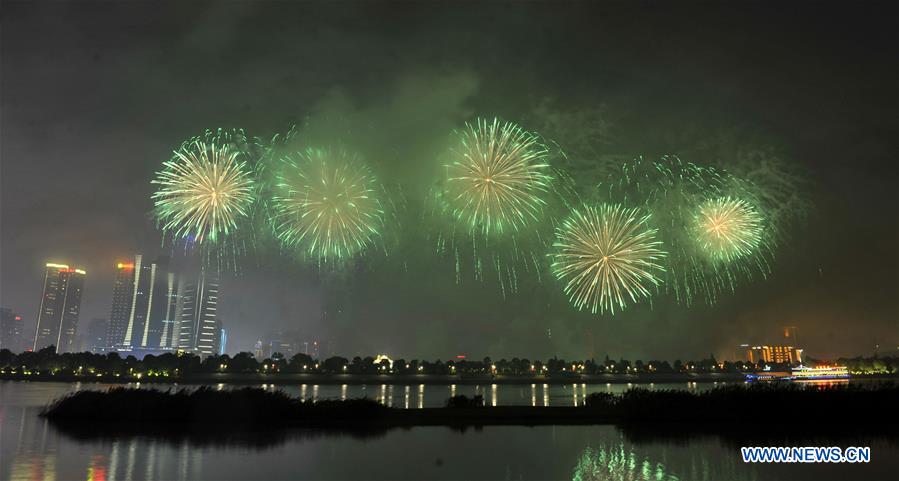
(463, 401)
(868, 409)
(761, 403)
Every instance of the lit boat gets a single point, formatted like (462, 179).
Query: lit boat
(803, 373)
(768, 376)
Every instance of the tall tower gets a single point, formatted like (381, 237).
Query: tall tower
(159, 300)
(143, 305)
(141, 301)
(57, 321)
(121, 305)
(197, 329)
(171, 322)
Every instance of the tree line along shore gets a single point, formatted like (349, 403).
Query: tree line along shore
(243, 367)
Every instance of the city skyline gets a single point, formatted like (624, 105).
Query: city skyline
(154, 308)
(190, 323)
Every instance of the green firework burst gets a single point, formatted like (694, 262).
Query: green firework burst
(491, 207)
(606, 257)
(498, 177)
(206, 190)
(326, 204)
(728, 229)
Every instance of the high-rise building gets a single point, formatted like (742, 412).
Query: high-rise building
(95, 339)
(121, 304)
(174, 295)
(57, 321)
(12, 334)
(144, 305)
(141, 302)
(197, 328)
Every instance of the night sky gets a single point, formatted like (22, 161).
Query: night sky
(93, 97)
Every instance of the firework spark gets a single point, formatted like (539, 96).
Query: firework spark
(606, 256)
(204, 190)
(326, 204)
(497, 178)
(728, 229)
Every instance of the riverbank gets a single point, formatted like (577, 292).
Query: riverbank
(779, 407)
(250, 379)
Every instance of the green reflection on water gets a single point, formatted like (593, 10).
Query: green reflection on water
(618, 464)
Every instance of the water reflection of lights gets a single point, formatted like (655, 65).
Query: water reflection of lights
(39, 455)
(617, 463)
(96, 471)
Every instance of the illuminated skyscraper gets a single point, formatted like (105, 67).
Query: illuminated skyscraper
(198, 327)
(57, 321)
(12, 336)
(144, 305)
(121, 304)
(174, 295)
(141, 302)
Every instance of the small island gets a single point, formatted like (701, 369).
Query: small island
(842, 408)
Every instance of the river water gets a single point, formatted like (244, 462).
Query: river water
(33, 449)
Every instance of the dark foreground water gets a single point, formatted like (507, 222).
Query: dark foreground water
(32, 449)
